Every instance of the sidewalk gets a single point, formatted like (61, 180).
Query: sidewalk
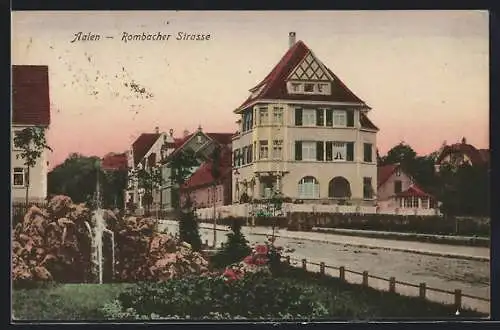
(432, 249)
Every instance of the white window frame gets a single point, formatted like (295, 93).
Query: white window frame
(309, 150)
(278, 115)
(16, 172)
(308, 117)
(308, 188)
(426, 203)
(339, 147)
(277, 149)
(263, 150)
(339, 118)
(263, 114)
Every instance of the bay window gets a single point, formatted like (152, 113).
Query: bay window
(263, 116)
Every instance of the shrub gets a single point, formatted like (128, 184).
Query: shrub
(234, 250)
(254, 296)
(188, 226)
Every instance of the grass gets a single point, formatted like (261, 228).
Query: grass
(64, 301)
(353, 301)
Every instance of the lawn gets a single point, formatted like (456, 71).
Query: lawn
(342, 300)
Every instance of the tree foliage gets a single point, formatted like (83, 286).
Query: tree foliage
(32, 143)
(235, 249)
(148, 180)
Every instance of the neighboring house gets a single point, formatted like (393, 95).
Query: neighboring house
(30, 107)
(462, 153)
(304, 133)
(397, 189)
(201, 184)
(146, 153)
(202, 145)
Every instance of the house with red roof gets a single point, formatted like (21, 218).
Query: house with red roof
(461, 153)
(304, 133)
(202, 145)
(397, 189)
(30, 108)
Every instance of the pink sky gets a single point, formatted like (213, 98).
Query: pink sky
(424, 73)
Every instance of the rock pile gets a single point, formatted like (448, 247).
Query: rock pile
(52, 243)
(144, 254)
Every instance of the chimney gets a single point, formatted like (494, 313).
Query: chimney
(291, 39)
(157, 130)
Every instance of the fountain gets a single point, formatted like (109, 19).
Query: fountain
(97, 238)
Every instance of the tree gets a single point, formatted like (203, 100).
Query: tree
(181, 167)
(76, 177)
(148, 181)
(235, 249)
(401, 153)
(32, 143)
(114, 185)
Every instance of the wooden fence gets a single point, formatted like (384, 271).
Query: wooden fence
(423, 288)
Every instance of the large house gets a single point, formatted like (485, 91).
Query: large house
(305, 134)
(202, 145)
(397, 189)
(461, 153)
(30, 108)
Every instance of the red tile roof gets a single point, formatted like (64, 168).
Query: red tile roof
(114, 161)
(142, 145)
(203, 176)
(384, 172)
(275, 81)
(30, 95)
(476, 156)
(366, 122)
(413, 191)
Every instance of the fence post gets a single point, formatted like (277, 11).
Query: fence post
(342, 273)
(322, 268)
(458, 299)
(287, 260)
(422, 288)
(304, 264)
(365, 278)
(392, 284)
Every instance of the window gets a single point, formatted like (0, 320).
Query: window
(243, 155)
(320, 119)
(278, 115)
(425, 203)
(235, 157)
(309, 150)
(367, 188)
(367, 152)
(254, 151)
(398, 186)
(308, 88)
(277, 149)
(247, 121)
(320, 151)
(249, 154)
(411, 202)
(350, 118)
(339, 118)
(339, 151)
(18, 177)
(298, 117)
(264, 150)
(308, 187)
(308, 117)
(263, 116)
(414, 202)
(296, 87)
(322, 88)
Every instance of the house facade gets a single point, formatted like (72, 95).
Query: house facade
(30, 108)
(202, 145)
(396, 189)
(303, 133)
(146, 153)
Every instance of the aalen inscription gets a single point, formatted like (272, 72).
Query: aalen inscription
(143, 36)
